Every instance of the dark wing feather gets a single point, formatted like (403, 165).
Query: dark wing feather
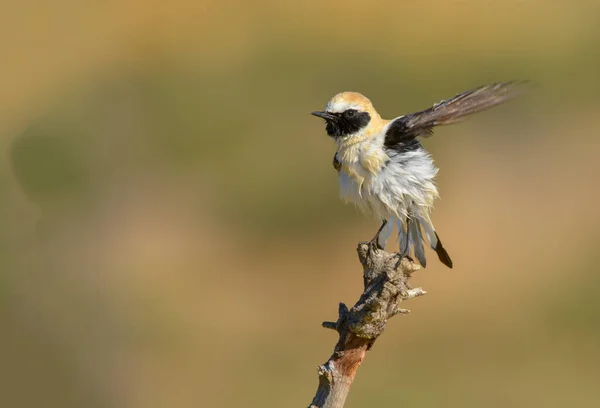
(337, 165)
(406, 128)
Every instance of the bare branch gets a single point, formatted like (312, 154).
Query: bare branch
(330, 325)
(386, 286)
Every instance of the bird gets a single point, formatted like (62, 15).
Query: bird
(384, 170)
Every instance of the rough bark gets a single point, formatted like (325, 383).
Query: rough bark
(386, 286)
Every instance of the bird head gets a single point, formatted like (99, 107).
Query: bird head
(348, 114)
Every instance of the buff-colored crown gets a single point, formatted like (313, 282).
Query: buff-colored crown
(350, 100)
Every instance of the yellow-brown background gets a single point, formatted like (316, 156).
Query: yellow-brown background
(171, 231)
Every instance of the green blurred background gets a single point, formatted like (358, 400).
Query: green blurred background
(171, 230)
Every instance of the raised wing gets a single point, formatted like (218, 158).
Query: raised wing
(403, 130)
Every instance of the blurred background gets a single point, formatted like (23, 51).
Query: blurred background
(171, 228)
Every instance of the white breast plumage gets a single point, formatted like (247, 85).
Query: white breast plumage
(361, 163)
(381, 185)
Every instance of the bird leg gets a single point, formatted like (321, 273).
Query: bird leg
(399, 255)
(374, 243)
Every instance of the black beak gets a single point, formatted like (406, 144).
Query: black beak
(324, 115)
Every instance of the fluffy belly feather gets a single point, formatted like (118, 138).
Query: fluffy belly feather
(393, 190)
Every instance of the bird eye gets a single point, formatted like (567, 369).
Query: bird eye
(350, 113)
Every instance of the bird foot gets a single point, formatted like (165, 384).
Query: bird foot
(399, 255)
(373, 245)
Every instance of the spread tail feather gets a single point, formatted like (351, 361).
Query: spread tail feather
(411, 236)
(442, 253)
(402, 238)
(415, 239)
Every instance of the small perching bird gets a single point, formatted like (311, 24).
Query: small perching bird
(384, 170)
